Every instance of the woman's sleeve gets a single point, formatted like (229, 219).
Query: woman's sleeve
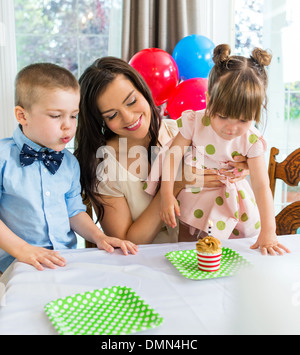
(108, 174)
(109, 188)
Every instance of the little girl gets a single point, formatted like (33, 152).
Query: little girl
(236, 93)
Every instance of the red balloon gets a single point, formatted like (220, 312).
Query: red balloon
(159, 70)
(188, 95)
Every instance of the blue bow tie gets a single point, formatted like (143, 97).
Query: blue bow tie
(51, 160)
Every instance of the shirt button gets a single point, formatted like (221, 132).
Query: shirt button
(47, 193)
(45, 170)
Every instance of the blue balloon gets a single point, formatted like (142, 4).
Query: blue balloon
(193, 56)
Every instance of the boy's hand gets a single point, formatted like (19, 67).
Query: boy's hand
(109, 243)
(38, 256)
(268, 244)
(169, 207)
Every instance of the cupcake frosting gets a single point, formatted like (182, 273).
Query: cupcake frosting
(209, 245)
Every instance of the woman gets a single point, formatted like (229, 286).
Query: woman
(117, 113)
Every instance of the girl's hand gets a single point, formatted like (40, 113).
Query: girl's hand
(210, 177)
(269, 244)
(169, 206)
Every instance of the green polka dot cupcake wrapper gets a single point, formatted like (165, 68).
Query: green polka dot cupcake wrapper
(185, 261)
(109, 311)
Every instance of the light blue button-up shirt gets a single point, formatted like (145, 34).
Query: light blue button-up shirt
(35, 204)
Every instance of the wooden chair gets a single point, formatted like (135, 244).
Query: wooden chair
(288, 220)
(89, 211)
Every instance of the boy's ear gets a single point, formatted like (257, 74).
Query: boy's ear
(20, 115)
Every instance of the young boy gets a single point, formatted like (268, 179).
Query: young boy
(40, 194)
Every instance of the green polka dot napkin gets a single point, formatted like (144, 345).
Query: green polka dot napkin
(185, 261)
(108, 311)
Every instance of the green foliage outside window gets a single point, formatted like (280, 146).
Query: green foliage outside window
(70, 33)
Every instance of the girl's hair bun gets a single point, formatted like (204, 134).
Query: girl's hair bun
(221, 54)
(262, 57)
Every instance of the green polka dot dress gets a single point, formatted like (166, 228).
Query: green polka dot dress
(232, 207)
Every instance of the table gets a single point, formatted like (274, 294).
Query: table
(262, 299)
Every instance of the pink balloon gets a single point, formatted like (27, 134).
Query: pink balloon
(188, 95)
(159, 70)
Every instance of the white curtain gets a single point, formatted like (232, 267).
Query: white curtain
(8, 68)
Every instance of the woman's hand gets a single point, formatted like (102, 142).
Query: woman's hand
(239, 169)
(192, 177)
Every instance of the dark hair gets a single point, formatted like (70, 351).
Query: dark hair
(237, 85)
(41, 75)
(92, 132)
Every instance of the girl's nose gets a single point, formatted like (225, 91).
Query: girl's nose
(231, 124)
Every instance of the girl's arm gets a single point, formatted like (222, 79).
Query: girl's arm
(267, 239)
(173, 158)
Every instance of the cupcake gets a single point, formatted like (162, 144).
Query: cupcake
(209, 253)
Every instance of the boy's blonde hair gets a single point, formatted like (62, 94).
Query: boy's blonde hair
(38, 76)
(237, 85)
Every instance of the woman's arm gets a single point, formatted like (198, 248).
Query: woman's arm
(82, 224)
(117, 220)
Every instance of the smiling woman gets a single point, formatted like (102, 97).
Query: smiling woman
(116, 105)
(126, 113)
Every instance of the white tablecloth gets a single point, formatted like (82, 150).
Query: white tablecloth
(264, 299)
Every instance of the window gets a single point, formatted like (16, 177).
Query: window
(248, 25)
(276, 25)
(70, 33)
(73, 33)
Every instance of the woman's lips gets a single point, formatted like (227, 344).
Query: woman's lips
(135, 126)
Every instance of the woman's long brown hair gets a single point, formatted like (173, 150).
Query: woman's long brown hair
(92, 132)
